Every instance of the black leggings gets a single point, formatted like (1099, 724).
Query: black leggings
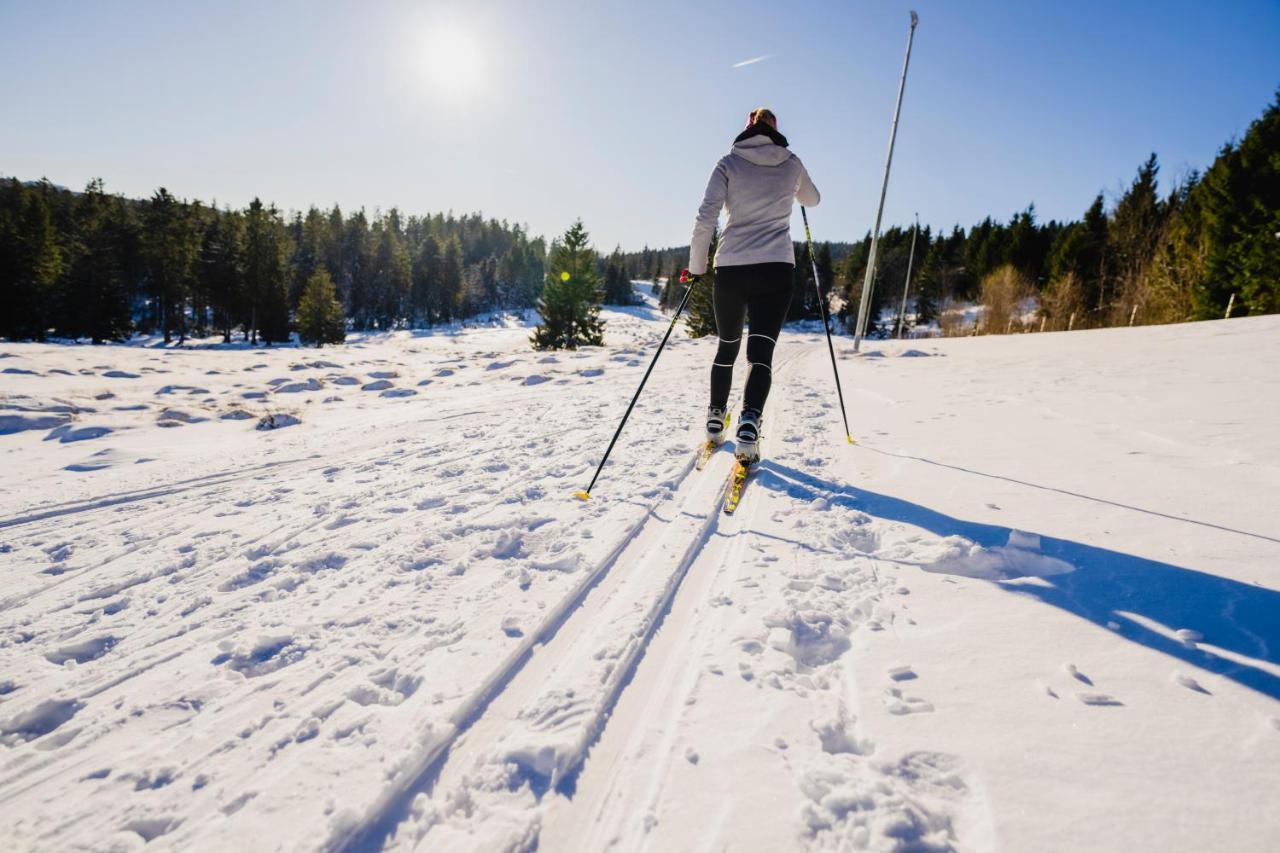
(761, 294)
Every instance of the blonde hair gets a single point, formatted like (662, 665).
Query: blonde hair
(764, 114)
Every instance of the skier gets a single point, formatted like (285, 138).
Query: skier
(756, 182)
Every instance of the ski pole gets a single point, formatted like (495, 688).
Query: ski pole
(822, 304)
(693, 282)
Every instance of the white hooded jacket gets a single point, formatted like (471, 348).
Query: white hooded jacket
(756, 182)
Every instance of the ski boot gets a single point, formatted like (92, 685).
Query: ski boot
(748, 447)
(717, 422)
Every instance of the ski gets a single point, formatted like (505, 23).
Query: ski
(705, 452)
(737, 482)
(708, 447)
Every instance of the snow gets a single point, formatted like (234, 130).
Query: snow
(1035, 607)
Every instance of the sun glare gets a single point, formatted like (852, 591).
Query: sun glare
(451, 61)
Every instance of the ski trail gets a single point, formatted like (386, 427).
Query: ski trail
(536, 734)
(616, 798)
(391, 806)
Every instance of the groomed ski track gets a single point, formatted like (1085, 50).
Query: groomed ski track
(546, 707)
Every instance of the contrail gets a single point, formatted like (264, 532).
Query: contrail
(752, 61)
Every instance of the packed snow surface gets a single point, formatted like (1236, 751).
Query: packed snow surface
(342, 599)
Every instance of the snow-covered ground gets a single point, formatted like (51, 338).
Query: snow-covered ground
(1036, 607)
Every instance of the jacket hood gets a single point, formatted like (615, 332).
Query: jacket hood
(761, 150)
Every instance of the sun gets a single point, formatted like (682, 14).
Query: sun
(451, 61)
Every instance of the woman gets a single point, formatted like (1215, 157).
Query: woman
(756, 182)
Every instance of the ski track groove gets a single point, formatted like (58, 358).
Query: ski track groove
(740, 525)
(385, 814)
(382, 824)
(623, 674)
(382, 818)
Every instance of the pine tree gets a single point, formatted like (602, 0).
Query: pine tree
(310, 236)
(95, 303)
(320, 317)
(426, 273)
(700, 316)
(391, 278)
(264, 275)
(357, 265)
(170, 245)
(1231, 246)
(570, 304)
(617, 288)
(826, 276)
(448, 296)
(11, 313)
(1134, 231)
(1080, 253)
(38, 264)
(221, 270)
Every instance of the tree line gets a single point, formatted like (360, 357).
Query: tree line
(101, 266)
(1210, 243)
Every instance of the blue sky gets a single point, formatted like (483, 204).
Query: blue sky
(615, 112)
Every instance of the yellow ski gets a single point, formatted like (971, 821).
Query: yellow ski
(705, 452)
(737, 482)
(708, 448)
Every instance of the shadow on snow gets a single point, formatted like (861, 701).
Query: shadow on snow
(1240, 622)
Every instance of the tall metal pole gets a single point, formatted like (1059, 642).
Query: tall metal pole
(864, 306)
(906, 286)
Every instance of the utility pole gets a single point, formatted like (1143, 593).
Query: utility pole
(864, 306)
(906, 286)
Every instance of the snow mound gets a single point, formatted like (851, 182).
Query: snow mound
(277, 421)
(1021, 558)
(10, 424)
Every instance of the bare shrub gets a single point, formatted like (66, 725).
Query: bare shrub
(1003, 293)
(1063, 298)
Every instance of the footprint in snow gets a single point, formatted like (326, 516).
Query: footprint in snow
(1099, 699)
(83, 651)
(399, 392)
(380, 385)
(901, 705)
(1071, 670)
(1190, 683)
(901, 673)
(39, 721)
